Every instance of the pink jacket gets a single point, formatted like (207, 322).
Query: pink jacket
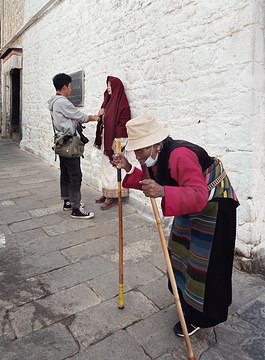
(190, 196)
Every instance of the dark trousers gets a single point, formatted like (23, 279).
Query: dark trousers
(70, 180)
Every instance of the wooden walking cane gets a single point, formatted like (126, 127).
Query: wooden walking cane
(121, 305)
(170, 269)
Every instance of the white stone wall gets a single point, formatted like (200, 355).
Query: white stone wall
(256, 129)
(13, 17)
(197, 65)
(32, 7)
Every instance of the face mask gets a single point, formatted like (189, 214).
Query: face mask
(150, 161)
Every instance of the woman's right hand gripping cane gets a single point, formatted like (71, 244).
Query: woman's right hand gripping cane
(121, 159)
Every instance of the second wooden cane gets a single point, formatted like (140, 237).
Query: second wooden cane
(170, 270)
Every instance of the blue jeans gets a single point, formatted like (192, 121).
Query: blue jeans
(70, 180)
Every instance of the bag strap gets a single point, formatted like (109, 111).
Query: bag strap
(54, 129)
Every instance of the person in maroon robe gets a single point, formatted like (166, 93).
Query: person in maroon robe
(114, 112)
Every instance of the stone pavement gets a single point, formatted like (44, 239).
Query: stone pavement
(59, 281)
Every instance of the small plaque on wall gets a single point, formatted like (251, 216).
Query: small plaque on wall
(77, 88)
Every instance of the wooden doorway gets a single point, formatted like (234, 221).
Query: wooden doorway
(15, 106)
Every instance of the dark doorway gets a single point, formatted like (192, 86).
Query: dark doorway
(15, 114)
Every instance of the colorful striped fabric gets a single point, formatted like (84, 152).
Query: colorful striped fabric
(222, 189)
(191, 239)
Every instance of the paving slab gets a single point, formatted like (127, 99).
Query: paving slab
(139, 232)
(158, 260)
(37, 180)
(107, 285)
(166, 357)
(255, 313)
(44, 244)
(26, 204)
(236, 339)
(110, 226)
(119, 346)
(6, 332)
(246, 289)
(49, 190)
(63, 226)
(200, 342)
(52, 343)
(14, 195)
(134, 252)
(91, 248)
(140, 273)
(51, 309)
(4, 230)
(24, 236)
(15, 264)
(21, 172)
(155, 334)
(17, 293)
(35, 223)
(53, 209)
(14, 185)
(12, 217)
(134, 276)
(97, 323)
(7, 203)
(157, 292)
(74, 274)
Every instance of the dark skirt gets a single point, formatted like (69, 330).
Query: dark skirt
(218, 286)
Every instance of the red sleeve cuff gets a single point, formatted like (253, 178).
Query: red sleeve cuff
(132, 181)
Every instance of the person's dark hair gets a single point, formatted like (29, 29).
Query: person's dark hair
(60, 80)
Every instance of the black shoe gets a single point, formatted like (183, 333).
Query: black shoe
(67, 205)
(80, 213)
(191, 329)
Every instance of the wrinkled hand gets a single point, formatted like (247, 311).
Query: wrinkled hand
(152, 189)
(121, 159)
(101, 112)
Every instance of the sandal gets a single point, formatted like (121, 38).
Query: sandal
(107, 204)
(100, 200)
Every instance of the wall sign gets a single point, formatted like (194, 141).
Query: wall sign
(77, 88)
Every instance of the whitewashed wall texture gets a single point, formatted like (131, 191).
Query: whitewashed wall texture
(198, 66)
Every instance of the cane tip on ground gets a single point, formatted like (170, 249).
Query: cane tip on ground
(121, 307)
